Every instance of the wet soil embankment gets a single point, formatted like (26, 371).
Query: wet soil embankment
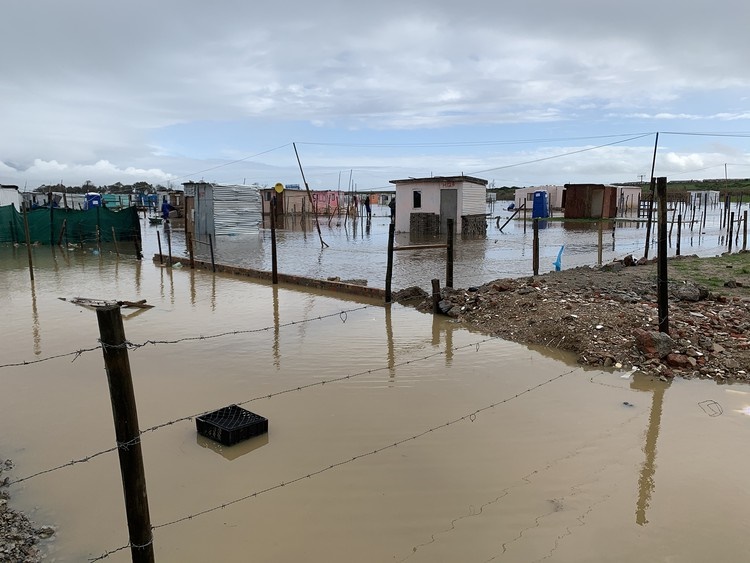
(608, 316)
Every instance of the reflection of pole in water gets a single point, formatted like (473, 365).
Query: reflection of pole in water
(448, 344)
(276, 354)
(646, 482)
(213, 292)
(192, 287)
(389, 342)
(35, 322)
(137, 277)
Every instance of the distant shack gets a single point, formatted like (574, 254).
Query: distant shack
(590, 201)
(424, 205)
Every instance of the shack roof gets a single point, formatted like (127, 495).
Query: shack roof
(436, 179)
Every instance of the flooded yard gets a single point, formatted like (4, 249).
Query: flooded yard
(356, 251)
(393, 435)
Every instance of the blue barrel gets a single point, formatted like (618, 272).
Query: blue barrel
(541, 205)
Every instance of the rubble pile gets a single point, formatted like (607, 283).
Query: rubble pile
(18, 535)
(608, 317)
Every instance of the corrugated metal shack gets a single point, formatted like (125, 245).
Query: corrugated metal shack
(221, 209)
(590, 201)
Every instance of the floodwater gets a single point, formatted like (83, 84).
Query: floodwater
(393, 435)
(356, 251)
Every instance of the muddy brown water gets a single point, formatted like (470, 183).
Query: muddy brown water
(555, 466)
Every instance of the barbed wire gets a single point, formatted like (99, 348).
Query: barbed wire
(470, 416)
(190, 417)
(343, 315)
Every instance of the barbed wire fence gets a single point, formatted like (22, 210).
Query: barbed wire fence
(471, 416)
(343, 315)
(190, 417)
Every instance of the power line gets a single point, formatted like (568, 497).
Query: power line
(562, 154)
(229, 163)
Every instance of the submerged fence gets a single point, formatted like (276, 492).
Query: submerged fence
(57, 226)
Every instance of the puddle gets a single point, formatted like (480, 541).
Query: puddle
(503, 452)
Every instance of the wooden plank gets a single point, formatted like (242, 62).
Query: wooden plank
(420, 247)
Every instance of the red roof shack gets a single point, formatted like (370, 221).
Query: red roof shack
(590, 201)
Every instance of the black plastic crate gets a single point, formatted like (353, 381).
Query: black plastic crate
(231, 424)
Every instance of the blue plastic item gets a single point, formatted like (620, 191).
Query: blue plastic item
(540, 207)
(558, 263)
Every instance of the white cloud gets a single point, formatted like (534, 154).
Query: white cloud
(107, 87)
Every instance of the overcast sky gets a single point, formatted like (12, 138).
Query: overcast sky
(168, 91)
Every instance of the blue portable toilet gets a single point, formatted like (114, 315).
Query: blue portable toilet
(92, 200)
(540, 207)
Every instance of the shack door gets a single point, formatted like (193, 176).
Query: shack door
(448, 209)
(597, 203)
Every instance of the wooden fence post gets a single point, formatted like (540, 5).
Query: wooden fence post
(127, 433)
(535, 245)
(662, 278)
(389, 267)
(449, 255)
(435, 296)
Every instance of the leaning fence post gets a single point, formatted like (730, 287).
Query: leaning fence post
(158, 241)
(211, 246)
(127, 433)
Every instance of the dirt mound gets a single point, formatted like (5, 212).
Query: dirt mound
(608, 316)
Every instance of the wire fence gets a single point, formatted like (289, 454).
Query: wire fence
(124, 445)
(471, 416)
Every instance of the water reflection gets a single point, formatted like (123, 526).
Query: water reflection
(230, 453)
(646, 481)
(36, 331)
(391, 353)
(276, 352)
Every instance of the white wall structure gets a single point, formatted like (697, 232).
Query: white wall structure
(555, 194)
(628, 198)
(9, 195)
(446, 196)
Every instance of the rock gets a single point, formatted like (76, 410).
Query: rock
(690, 293)
(525, 290)
(730, 283)
(445, 306)
(45, 531)
(653, 343)
(628, 260)
(680, 361)
(408, 293)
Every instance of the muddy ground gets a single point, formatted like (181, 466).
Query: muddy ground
(608, 316)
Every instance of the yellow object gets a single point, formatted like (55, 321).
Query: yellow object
(279, 187)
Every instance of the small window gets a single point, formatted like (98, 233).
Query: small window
(417, 197)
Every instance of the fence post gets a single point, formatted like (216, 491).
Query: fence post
(389, 267)
(679, 232)
(436, 296)
(731, 230)
(169, 245)
(274, 264)
(125, 415)
(449, 257)
(28, 239)
(744, 231)
(663, 282)
(535, 259)
(190, 250)
(158, 241)
(114, 238)
(600, 242)
(211, 246)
